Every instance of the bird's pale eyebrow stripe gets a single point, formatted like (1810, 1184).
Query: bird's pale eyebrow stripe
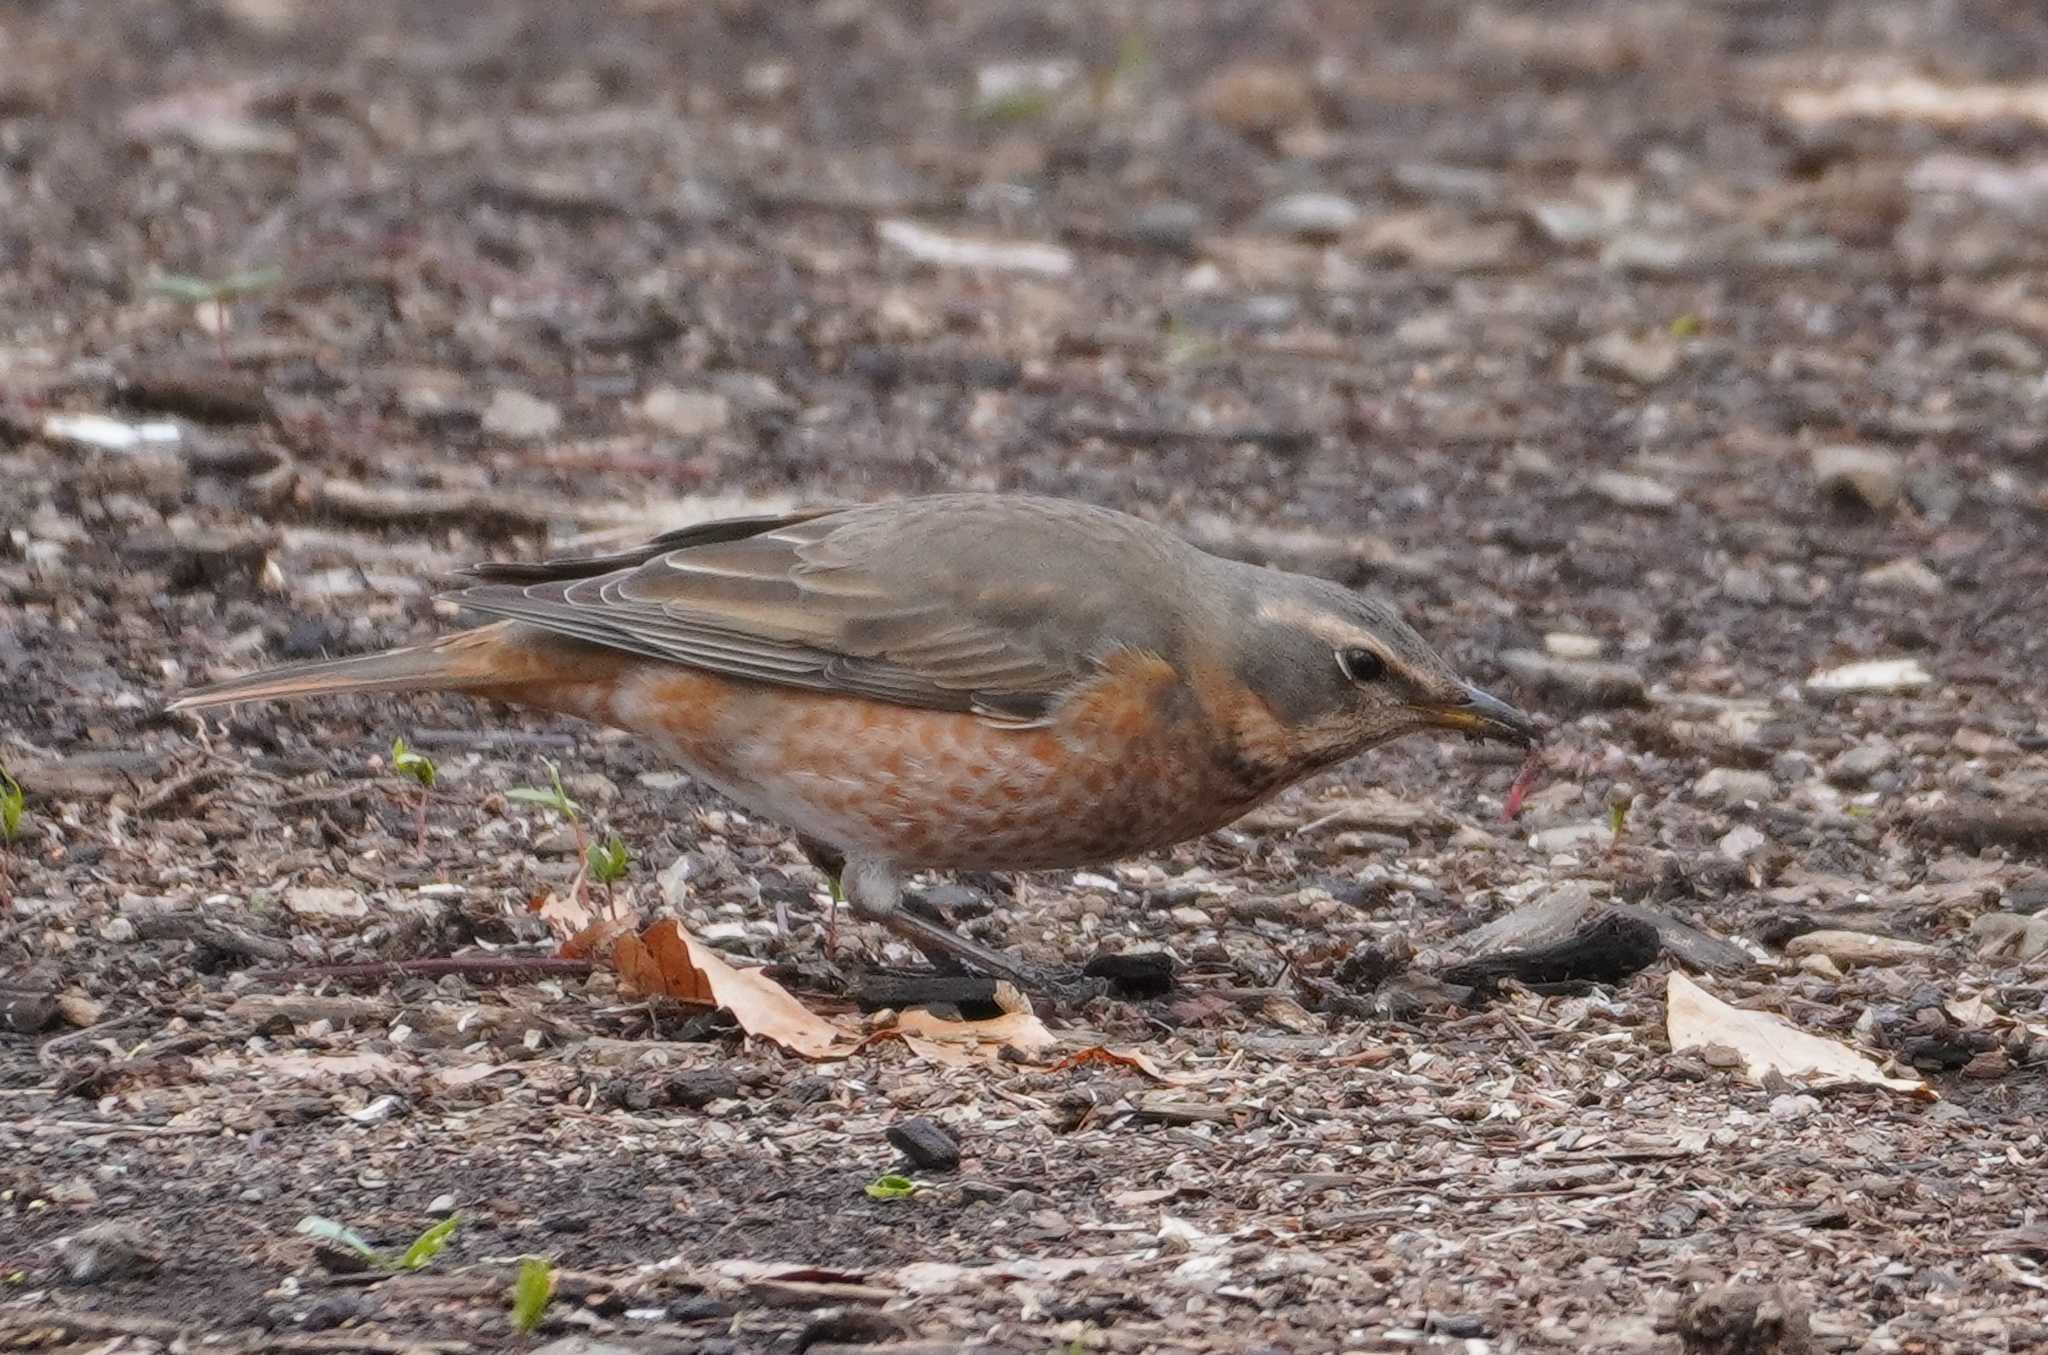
(1332, 629)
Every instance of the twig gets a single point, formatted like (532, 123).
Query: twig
(468, 966)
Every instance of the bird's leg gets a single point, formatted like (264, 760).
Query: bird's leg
(831, 863)
(876, 893)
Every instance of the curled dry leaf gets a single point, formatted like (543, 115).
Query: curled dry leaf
(1695, 1018)
(963, 1043)
(600, 940)
(1115, 1058)
(667, 961)
(565, 916)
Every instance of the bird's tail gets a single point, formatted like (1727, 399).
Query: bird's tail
(469, 661)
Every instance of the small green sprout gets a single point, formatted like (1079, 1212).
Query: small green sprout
(418, 1256)
(418, 767)
(188, 287)
(217, 291)
(531, 1291)
(1620, 800)
(552, 796)
(428, 1245)
(891, 1187)
(1015, 107)
(12, 798)
(607, 864)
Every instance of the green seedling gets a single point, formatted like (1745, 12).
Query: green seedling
(420, 768)
(12, 799)
(1016, 107)
(1619, 801)
(428, 1245)
(891, 1187)
(219, 291)
(607, 864)
(418, 1256)
(553, 796)
(531, 1291)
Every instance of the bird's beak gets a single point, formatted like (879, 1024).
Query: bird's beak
(1484, 717)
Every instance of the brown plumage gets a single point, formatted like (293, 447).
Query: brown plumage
(965, 681)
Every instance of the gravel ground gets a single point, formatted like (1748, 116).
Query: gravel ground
(1677, 367)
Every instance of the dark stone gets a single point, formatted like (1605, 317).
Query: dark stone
(928, 1147)
(1746, 1320)
(332, 1312)
(1139, 974)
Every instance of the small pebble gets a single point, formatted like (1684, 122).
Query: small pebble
(107, 1251)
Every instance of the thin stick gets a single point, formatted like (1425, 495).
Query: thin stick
(470, 966)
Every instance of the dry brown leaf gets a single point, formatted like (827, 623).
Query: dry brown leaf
(1695, 1018)
(667, 961)
(599, 941)
(1020, 1030)
(1121, 1058)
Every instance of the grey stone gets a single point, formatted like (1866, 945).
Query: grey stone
(1869, 475)
(1310, 216)
(1644, 359)
(1730, 785)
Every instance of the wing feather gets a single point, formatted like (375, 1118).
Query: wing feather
(915, 603)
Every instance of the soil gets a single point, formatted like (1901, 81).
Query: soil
(1563, 358)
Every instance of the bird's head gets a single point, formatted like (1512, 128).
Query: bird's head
(1341, 672)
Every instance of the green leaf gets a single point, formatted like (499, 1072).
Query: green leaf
(418, 766)
(609, 863)
(428, 1245)
(12, 798)
(531, 1292)
(891, 1187)
(184, 287)
(554, 797)
(327, 1230)
(188, 287)
(250, 281)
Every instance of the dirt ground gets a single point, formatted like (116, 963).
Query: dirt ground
(1700, 341)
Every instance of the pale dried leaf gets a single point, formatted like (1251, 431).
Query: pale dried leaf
(1697, 1019)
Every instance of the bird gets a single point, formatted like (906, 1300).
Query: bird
(966, 682)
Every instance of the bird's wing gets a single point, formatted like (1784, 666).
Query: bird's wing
(950, 603)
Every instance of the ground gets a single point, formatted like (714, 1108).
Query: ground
(1706, 338)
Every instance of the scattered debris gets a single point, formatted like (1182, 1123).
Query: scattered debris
(106, 1252)
(2010, 936)
(1590, 682)
(1733, 1319)
(1847, 950)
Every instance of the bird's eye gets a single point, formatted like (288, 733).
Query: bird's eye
(1361, 665)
